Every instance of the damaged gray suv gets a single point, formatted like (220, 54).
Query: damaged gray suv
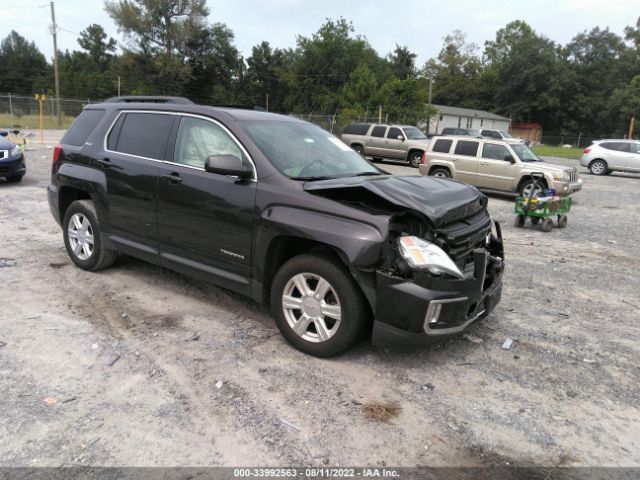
(282, 211)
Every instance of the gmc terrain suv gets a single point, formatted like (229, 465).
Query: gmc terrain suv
(496, 165)
(282, 211)
(397, 142)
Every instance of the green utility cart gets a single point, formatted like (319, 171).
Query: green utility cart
(541, 209)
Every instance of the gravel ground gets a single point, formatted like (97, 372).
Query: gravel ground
(140, 366)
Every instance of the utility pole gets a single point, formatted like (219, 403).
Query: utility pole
(632, 125)
(56, 72)
(429, 115)
(118, 85)
(267, 102)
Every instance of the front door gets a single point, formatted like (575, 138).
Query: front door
(496, 168)
(205, 220)
(136, 147)
(394, 147)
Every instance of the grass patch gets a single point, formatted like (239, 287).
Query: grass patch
(381, 411)
(550, 151)
(33, 121)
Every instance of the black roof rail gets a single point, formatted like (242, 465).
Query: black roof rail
(241, 107)
(149, 99)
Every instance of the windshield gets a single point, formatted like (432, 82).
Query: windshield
(306, 152)
(524, 154)
(413, 133)
(506, 134)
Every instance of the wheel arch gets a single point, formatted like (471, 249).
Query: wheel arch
(444, 167)
(285, 247)
(526, 178)
(606, 164)
(67, 195)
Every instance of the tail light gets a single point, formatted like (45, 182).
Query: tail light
(423, 160)
(586, 150)
(56, 153)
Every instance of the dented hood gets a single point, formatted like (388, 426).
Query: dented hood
(441, 201)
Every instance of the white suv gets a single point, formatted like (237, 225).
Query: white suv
(605, 156)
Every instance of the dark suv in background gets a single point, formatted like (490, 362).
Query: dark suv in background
(282, 211)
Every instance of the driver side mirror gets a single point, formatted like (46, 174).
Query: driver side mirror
(509, 158)
(400, 137)
(227, 165)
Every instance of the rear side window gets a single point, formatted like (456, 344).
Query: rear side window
(378, 131)
(448, 131)
(357, 129)
(142, 134)
(394, 133)
(442, 146)
(617, 146)
(79, 132)
(466, 148)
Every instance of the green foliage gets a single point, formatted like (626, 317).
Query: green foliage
(23, 68)
(590, 85)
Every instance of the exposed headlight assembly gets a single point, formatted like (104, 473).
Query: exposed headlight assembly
(421, 254)
(16, 151)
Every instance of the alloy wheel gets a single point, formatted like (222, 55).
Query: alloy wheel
(311, 307)
(80, 235)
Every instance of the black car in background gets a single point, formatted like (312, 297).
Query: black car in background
(12, 164)
(282, 211)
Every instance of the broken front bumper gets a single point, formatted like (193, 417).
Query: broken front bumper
(430, 309)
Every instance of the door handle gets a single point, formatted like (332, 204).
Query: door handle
(105, 162)
(173, 177)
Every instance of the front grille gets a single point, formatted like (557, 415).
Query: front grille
(573, 176)
(461, 238)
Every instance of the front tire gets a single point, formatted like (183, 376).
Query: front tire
(318, 307)
(598, 167)
(359, 150)
(527, 186)
(82, 239)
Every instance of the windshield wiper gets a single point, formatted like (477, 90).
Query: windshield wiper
(313, 178)
(366, 174)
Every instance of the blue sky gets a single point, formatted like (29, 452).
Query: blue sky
(419, 24)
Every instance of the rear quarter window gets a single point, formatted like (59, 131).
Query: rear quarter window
(466, 148)
(616, 146)
(357, 129)
(84, 125)
(442, 146)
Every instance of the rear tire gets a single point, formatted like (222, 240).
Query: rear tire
(415, 159)
(547, 225)
(359, 150)
(82, 238)
(598, 167)
(440, 173)
(329, 316)
(562, 221)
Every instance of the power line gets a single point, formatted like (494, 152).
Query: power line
(24, 7)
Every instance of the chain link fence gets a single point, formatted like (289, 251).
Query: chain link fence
(23, 112)
(337, 123)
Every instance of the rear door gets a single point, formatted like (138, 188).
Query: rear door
(617, 154)
(496, 168)
(465, 157)
(205, 220)
(376, 143)
(134, 149)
